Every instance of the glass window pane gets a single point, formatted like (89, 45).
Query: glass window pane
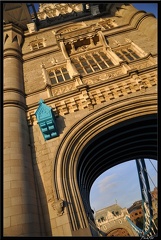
(57, 72)
(129, 57)
(96, 68)
(64, 70)
(77, 65)
(92, 62)
(133, 53)
(109, 62)
(103, 54)
(84, 63)
(89, 70)
(51, 74)
(120, 55)
(60, 78)
(66, 76)
(96, 57)
(124, 52)
(103, 65)
(53, 80)
(81, 71)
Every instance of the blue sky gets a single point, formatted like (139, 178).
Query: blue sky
(121, 184)
(148, 7)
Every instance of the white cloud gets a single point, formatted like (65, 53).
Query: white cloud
(119, 183)
(107, 183)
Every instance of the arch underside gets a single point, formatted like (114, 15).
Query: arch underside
(106, 137)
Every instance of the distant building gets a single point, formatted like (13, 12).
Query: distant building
(154, 194)
(112, 221)
(136, 211)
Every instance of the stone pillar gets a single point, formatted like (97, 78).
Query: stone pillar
(21, 217)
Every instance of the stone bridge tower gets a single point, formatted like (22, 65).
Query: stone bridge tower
(111, 221)
(80, 96)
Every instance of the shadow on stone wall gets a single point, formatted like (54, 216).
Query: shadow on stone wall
(44, 218)
(60, 122)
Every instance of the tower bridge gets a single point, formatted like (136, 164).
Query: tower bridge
(80, 96)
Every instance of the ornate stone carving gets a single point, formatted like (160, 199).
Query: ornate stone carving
(45, 74)
(63, 89)
(87, 99)
(141, 65)
(107, 23)
(58, 205)
(11, 36)
(140, 83)
(78, 80)
(83, 48)
(29, 119)
(32, 27)
(117, 43)
(128, 40)
(50, 10)
(103, 77)
(54, 61)
(69, 29)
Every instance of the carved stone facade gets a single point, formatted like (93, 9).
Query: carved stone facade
(49, 10)
(95, 67)
(111, 219)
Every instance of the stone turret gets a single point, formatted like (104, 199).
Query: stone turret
(20, 199)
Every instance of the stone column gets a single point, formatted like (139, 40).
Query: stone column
(21, 217)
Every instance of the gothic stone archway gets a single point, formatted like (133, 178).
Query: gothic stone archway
(110, 135)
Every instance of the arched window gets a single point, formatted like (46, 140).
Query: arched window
(52, 77)
(66, 74)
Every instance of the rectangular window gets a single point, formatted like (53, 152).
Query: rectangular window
(92, 62)
(37, 45)
(58, 75)
(127, 54)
